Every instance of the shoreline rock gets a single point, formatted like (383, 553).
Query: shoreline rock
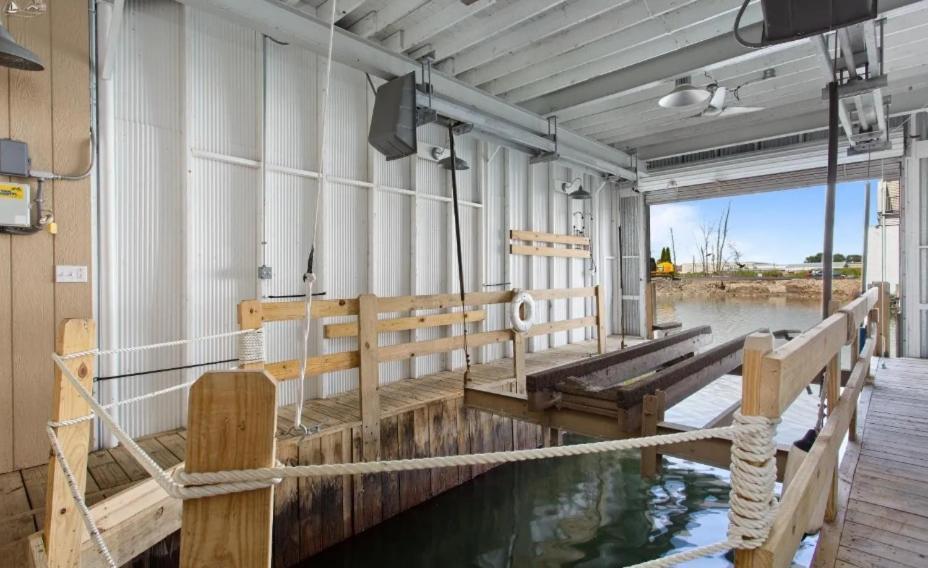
(799, 288)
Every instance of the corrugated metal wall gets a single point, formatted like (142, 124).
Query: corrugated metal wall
(193, 178)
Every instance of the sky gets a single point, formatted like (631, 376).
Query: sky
(781, 227)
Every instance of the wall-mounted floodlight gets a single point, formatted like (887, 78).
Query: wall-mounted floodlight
(16, 56)
(574, 190)
(684, 94)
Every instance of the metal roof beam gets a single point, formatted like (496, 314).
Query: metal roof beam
(679, 62)
(791, 120)
(287, 24)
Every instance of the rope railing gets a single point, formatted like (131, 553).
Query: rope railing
(753, 463)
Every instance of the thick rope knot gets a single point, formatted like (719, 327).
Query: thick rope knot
(190, 485)
(251, 347)
(753, 480)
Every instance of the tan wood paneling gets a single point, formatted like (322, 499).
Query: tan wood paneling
(33, 292)
(50, 110)
(6, 308)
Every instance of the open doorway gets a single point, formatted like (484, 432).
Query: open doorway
(755, 261)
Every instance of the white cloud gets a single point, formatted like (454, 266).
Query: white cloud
(684, 219)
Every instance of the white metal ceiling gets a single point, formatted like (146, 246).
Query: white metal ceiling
(561, 57)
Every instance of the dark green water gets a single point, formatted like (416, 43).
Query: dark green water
(584, 511)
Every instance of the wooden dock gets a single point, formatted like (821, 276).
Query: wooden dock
(883, 490)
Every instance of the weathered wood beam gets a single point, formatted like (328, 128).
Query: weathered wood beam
(714, 452)
(608, 370)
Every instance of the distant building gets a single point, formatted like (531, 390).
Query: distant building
(883, 238)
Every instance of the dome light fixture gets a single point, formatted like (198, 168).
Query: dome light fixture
(684, 94)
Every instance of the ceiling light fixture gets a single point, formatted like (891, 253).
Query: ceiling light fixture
(684, 94)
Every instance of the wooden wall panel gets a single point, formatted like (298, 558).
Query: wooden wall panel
(50, 110)
(6, 307)
(32, 258)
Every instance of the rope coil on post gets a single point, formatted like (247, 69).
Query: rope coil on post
(251, 347)
(753, 481)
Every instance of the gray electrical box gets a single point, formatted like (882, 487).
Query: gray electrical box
(14, 205)
(14, 158)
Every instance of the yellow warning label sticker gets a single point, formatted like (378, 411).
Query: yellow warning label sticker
(10, 191)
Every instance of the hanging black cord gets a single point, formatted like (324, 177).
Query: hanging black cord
(165, 370)
(457, 237)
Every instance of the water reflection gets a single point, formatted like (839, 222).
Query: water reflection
(585, 511)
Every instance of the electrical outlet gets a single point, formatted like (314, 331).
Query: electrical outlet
(65, 273)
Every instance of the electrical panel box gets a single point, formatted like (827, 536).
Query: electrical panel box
(14, 205)
(14, 158)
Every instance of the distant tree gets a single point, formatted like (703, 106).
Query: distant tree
(665, 254)
(721, 236)
(838, 257)
(735, 255)
(814, 258)
(854, 258)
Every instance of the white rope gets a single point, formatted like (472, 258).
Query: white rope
(753, 481)
(309, 278)
(251, 347)
(684, 556)
(494, 458)
(75, 491)
(98, 352)
(151, 467)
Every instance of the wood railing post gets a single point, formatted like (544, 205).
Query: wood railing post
(518, 360)
(760, 396)
(652, 413)
(63, 526)
(882, 338)
(650, 309)
(872, 331)
(368, 344)
(231, 425)
(601, 332)
(832, 386)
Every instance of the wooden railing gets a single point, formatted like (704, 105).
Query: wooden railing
(253, 314)
(774, 377)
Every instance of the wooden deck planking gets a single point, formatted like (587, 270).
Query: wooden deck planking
(22, 493)
(883, 495)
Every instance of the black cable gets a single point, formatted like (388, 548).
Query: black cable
(155, 371)
(737, 30)
(315, 294)
(457, 236)
(371, 83)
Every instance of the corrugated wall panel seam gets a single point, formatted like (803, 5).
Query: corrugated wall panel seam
(188, 241)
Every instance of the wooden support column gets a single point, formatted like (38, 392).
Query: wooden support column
(231, 426)
(368, 344)
(652, 413)
(832, 386)
(518, 359)
(884, 319)
(650, 307)
(872, 326)
(760, 396)
(63, 526)
(601, 332)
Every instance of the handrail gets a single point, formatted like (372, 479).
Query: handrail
(773, 378)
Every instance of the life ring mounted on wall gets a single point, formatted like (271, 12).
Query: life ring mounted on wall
(522, 311)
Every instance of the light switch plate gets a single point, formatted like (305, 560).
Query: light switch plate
(65, 273)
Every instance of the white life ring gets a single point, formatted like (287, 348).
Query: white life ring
(516, 309)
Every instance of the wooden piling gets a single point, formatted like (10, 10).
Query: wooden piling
(63, 526)
(231, 426)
